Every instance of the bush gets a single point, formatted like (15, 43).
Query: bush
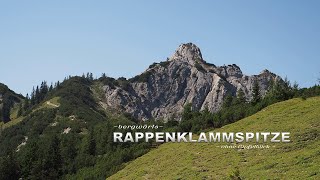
(199, 67)
(164, 64)
(152, 65)
(144, 77)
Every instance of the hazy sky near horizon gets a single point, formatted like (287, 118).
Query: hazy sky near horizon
(49, 40)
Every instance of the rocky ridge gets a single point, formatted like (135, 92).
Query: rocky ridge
(165, 88)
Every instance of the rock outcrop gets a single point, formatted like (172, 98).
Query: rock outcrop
(166, 87)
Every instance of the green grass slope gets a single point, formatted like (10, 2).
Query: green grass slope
(299, 159)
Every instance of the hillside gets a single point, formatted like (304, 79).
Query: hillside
(299, 159)
(67, 135)
(8, 102)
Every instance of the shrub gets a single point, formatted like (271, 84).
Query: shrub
(144, 77)
(199, 67)
(164, 63)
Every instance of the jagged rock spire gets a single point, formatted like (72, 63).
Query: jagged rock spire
(187, 52)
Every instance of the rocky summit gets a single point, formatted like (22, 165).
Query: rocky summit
(165, 88)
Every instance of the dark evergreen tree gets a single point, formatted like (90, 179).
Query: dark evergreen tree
(68, 153)
(91, 77)
(26, 104)
(295, 89)
(6, 107)
(28, 159)
(288, 92)
(228, 100)
(256, 97)
(1, 119)
(89, 144)
(58, 85)
(187, 112)
(52, 157)
(9, 168)
(43, 90)
(187, 116)
(20, 110)
(37, 95)
(33, 97)
(241, 98)
(206, 118)
(51, 88)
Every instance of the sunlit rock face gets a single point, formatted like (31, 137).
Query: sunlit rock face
(165, 88)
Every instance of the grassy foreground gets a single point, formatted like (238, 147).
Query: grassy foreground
(299, 159)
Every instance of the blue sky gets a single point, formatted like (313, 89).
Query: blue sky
(49, 40)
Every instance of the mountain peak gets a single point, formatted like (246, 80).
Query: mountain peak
(187, 52)
(165, 88)
(265, 71)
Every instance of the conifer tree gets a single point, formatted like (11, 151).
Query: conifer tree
(26, 103)
(28, 160)
(241, 98)
(89, 144)
(91, 77)
(51, 88)
(33, 97)
(37, 95)
(228, 100)
(8, 167)
(187, 112)
(20, 110)
(7, 104)
(58, 85)
(43, 90)
(53, 158)
(256, 92)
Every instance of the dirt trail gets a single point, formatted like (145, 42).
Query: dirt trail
(51, 104)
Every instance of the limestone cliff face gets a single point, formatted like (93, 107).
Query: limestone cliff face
(165, 88)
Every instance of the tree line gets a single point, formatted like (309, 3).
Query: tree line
(237, 107)
(39, 94)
